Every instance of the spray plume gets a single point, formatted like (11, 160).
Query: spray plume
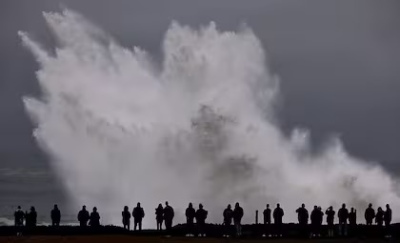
(200, 129)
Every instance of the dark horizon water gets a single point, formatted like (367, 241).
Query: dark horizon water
(31, 186)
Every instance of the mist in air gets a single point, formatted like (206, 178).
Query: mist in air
(198, 127)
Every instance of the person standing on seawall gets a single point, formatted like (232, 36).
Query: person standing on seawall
(94, 220)
(353, 221)
(159, 216)
(379, 217)
(267, 221)
(228, 216)
(320, 220)
(343, 215)
(369, 214)
(168, 217)
(314, 222)
(201, 216)
(31, 218)
(278, 220)
(237, 218)
(126, 218)
(388, 220)
(302, 216)
(330, 217)
(190, 213)
(19, 220)
(138, 215)
(83, 217)
(55, 215)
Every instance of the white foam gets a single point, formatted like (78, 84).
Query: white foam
(201, 129)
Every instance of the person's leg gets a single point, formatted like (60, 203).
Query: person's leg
(237, 228)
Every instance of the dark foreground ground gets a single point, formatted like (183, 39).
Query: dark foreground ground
(155, 239)
(251, 233)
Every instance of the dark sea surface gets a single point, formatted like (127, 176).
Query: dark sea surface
(32, 186)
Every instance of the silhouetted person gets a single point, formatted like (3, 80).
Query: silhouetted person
(267, 220)
(353, 217)
(369, 214)
(228, 216)
(159, 216)
(379, 217)
(19, 220)
(19, 217)
(278, 216)
(126, 218)
(267, 215)
(302, 216)
(388, 215)
(190, 215)
(55, 215)
(138, 215)
(343, 215)
(237, 219)
(320, 220)
(31, 218)
(353, 221)
(315, 221)
(330, 217)
(94, 218)
(201, 216)
(83, 217)
(168, 216)
(388, 219)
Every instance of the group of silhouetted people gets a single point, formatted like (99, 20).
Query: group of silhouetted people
(236, 215)
(92, 219)
(196, 219)
(345, 218)
(137, 214)
(29, 217)
(165, 215)
(277, 214)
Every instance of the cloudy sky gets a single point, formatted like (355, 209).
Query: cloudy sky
(339, 63)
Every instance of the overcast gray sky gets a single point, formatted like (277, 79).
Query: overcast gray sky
(339, 62)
